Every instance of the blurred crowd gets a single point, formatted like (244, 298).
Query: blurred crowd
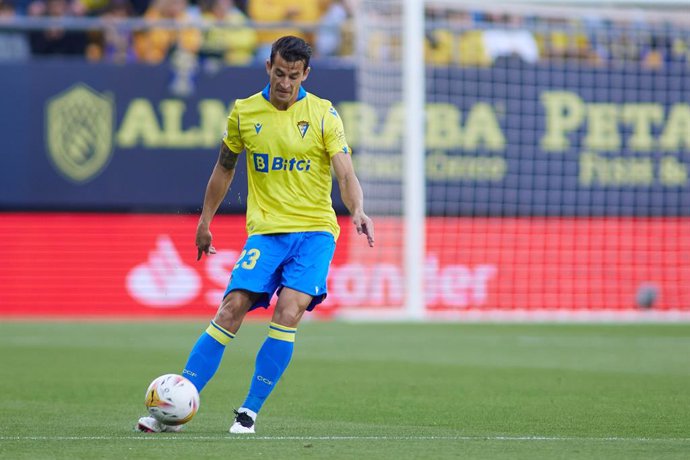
(479, 39)
(235, 32)
(240, 32)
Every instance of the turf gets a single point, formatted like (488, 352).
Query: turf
(389, 391)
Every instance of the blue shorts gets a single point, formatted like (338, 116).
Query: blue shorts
(299, 261)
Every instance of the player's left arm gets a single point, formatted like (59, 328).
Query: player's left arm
(351, 193)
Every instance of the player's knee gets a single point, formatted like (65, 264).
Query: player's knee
(289, 317)
(232, 311)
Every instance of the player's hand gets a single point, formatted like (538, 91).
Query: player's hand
(203, 241)
(364, 225)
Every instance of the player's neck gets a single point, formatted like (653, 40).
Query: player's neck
(281, 105)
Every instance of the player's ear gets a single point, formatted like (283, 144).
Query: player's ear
(306, 73)
(268, 66)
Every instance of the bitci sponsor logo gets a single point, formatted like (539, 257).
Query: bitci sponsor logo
(264, 162)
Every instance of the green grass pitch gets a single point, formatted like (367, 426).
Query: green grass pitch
(388, 391)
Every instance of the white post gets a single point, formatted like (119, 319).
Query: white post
(414, 192)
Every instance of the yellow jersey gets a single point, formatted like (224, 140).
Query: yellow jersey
(288, 162)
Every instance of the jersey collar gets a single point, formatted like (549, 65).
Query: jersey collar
(266, 93)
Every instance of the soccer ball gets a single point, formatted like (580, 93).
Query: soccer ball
(172, 399)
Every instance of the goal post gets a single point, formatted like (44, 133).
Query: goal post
(524, 159)
(414, 179)
(390, 151)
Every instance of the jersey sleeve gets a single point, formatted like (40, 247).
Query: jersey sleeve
(334, 133)
(233, 137)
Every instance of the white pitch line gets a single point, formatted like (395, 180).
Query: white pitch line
(166, 437)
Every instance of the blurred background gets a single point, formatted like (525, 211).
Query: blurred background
(523, 160)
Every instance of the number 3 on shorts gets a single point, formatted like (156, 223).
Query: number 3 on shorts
(250, 262)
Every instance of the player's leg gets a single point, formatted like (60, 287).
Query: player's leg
(273, 356)
(304, 286)
(252, 283)
(207, 352)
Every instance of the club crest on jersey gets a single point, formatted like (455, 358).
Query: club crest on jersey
(303, 126)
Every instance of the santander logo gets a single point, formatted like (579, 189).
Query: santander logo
(163, 280)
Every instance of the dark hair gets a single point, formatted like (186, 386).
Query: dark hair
(292, 49)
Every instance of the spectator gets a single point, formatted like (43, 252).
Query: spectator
(470, 42)
(680, 49)
(510, 39)
(447, 38)
(658, 53)
(117, 39)
(623, 45)
(229, 39)
(329, 37)
(274, 12)
(439, 46)
(383, 44)
(570, 41)
(596, 34)
(154, 45)
(471, 49)
(14, 46)
(89, 7)
(20, 7)
(56, 40)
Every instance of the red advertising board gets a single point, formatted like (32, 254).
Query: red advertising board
(129, 265)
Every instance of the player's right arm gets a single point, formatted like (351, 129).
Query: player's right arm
(216, 189)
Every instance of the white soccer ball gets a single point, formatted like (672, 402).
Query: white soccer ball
(172, 399)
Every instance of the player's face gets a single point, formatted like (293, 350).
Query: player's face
(285, 78)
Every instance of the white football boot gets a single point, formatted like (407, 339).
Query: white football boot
(151, 425)
(244, 422)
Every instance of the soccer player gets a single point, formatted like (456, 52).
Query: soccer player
(292, 138)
